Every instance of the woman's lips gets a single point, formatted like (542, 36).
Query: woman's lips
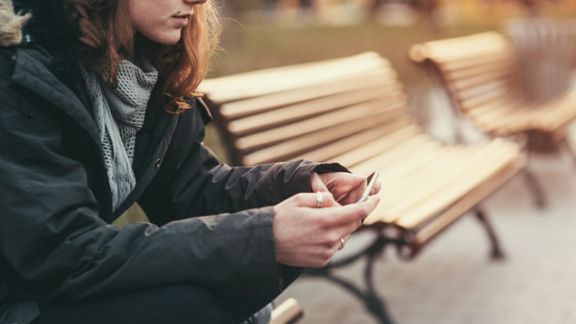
(181, 20)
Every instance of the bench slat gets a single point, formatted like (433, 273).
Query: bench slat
(306, 110)
(463, 84)
(442, 194)
(372, 154)
(356, 118)
(264, 82)
(372, 79)
(489, 99)
(404, 189)
(300, 142)
(454, 211)
(411, 202)
(384, 137)
(499, 63)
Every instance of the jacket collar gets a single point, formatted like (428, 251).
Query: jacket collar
(31, 72)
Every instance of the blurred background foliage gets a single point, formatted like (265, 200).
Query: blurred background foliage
(266, 33)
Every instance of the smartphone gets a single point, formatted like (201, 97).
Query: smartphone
(372, 178)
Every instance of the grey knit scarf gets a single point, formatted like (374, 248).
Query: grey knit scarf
(119, 114)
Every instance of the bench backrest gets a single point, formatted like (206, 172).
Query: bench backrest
(546, 52)
(478, 70)
(313, 111)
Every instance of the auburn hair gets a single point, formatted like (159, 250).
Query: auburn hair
(107, 37)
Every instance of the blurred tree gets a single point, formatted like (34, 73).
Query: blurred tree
(237, 8)
(425, 8)
(532, 7)
(302, 8)
(270, 6)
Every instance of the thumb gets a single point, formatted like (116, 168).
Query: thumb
(354, 212)
(317, 184)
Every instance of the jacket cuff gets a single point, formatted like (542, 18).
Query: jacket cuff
(301, 180)
(330, 167)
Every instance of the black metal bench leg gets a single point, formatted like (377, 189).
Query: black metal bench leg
(535, 188)
(496, 252)
(532, 182)
(369, 297)
(373, 303)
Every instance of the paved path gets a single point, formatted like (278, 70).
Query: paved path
(454, 282)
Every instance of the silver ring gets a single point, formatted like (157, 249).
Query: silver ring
(319, 199)
(342, 241)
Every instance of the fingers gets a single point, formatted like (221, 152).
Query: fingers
(340, 184)
(317, 184)
(339, 244)
(354, 194)
(359, 191)
(309, 236)
(348, 214)
(343, 241)
(330, 213)
(357, 212)
(317, 199)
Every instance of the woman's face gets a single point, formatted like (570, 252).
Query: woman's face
(161, 21)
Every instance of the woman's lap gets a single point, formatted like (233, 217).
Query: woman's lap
(174, 304)
(170, 304)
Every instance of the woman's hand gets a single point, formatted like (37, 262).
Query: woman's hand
(345, 187)
(308, 236)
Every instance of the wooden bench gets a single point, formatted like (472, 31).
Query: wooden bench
(287, 312)
(481, 75)
(353, 110)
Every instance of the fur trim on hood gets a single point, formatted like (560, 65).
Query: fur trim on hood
(11, 24)
(47, 24)
(43, 22)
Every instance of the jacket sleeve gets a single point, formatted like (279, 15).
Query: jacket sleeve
(197, 183)
(52, 236)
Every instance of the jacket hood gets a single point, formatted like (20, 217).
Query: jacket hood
(43, 22)
(11, 24)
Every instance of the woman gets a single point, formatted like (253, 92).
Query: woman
(98, 112)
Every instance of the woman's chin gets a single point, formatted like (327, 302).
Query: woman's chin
(167, 38)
